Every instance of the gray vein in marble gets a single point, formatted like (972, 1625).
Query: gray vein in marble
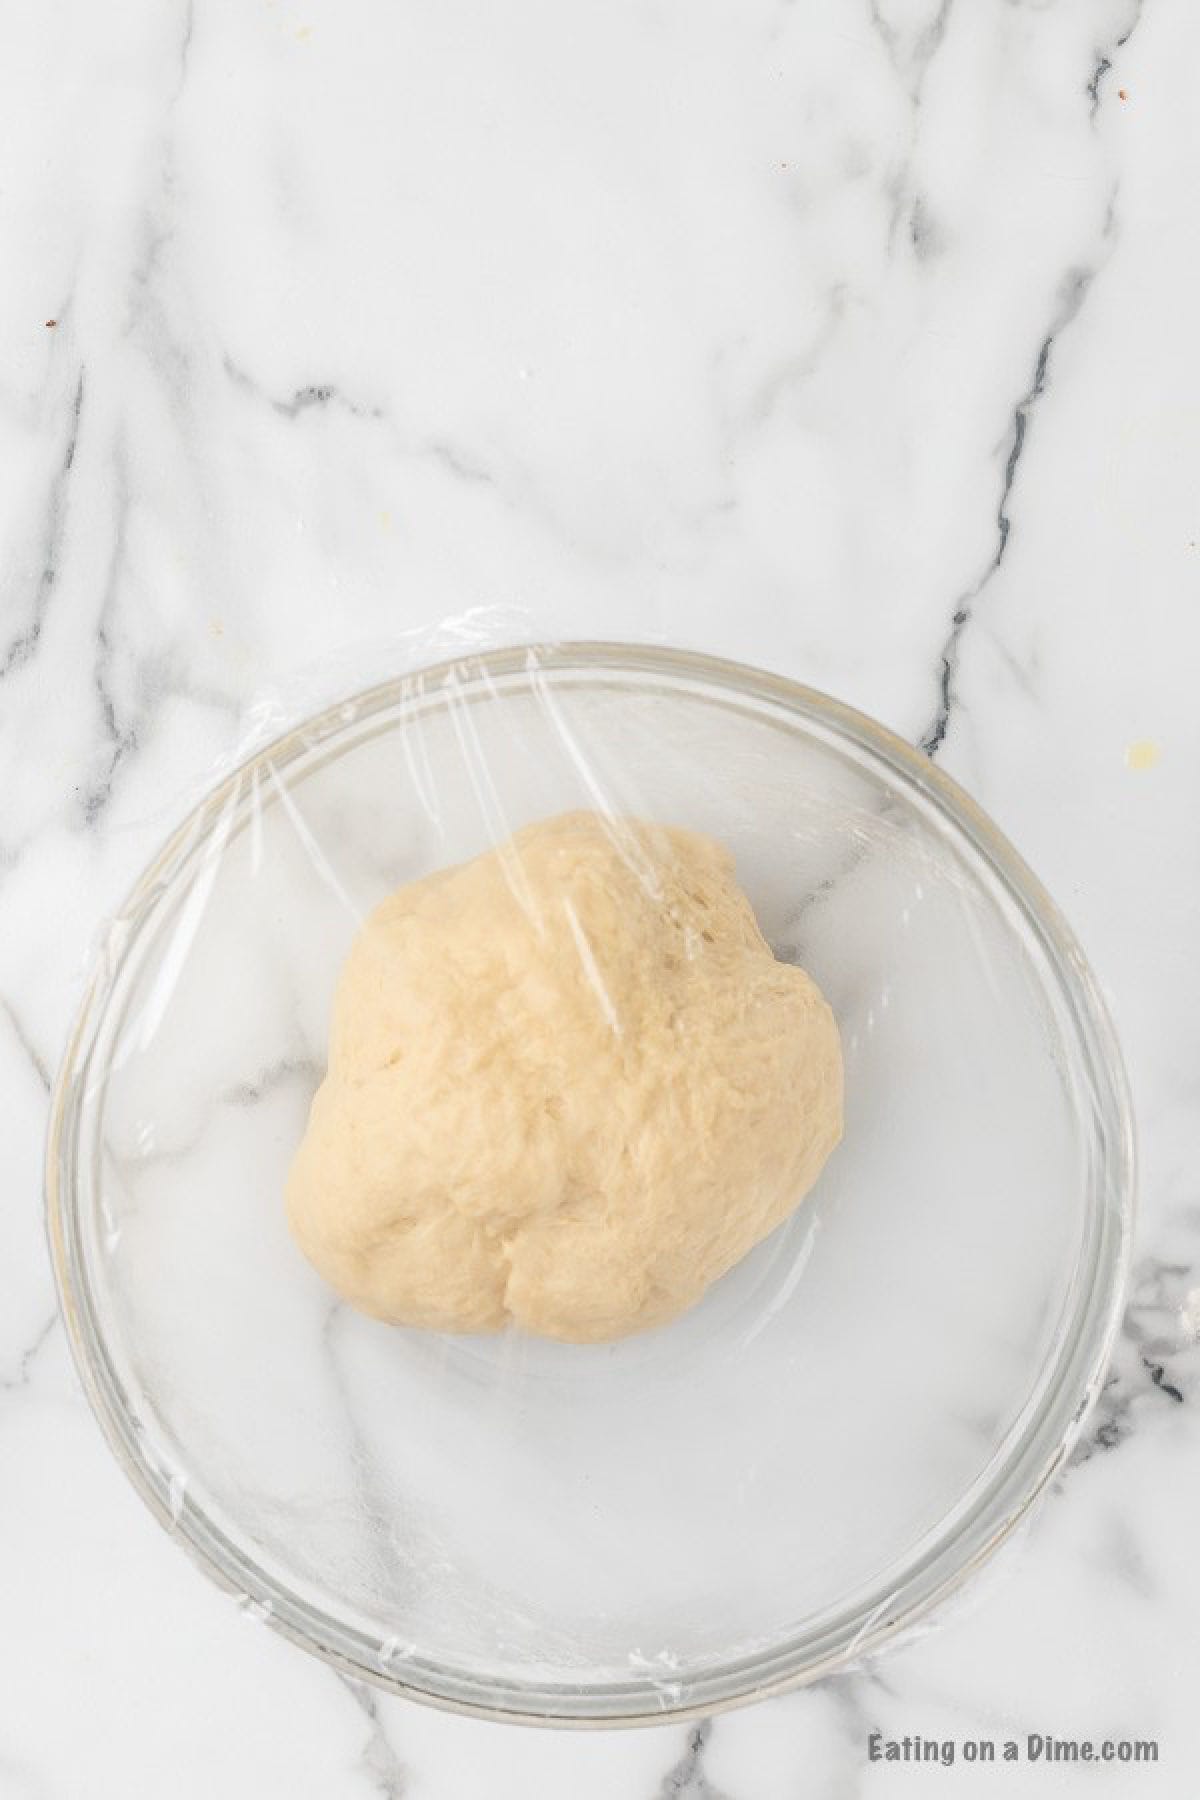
(23, 646)
(460, 465)
(27, 1044)
(788, 375)
(155, 678)
(1154, 1364)
(147, 311)
(468, 468)
(1074, 292)
(157, 231)
(1155, 1313)
(133, 1166)
(687, 1780)
(910, 52)
(923, 232)
(1123, 1556)
(24, 1370)
(157, 681)
(315, 395)
(120, 740)
(849, 1692)
(288, 1068)
(146, 307)
(1158, 1376)
(379, 1760)
(1093, 86)
(318, 396)
(1153, 1325)
(1110, 1424)
(1104, 60)
(185, 46)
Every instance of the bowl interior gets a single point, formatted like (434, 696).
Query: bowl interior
(540, 1519)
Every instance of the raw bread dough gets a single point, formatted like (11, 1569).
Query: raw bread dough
(569, 1086)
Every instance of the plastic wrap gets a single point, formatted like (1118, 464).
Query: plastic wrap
(769, 1484)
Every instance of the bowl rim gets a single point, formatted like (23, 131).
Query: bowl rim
(1078, 1361)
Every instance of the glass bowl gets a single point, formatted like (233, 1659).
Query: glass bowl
(847, 1423)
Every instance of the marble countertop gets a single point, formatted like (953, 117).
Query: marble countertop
(851, 339)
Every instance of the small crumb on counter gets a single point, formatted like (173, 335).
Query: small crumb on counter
(1143, 754)
(1122, 93)
(50, 324)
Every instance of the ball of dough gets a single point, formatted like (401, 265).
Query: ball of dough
(569, 1086)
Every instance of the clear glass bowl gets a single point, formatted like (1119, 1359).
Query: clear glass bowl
(832, 1439)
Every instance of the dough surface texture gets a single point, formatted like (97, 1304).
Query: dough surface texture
(569, 1086)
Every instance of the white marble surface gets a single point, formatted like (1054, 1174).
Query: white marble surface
(854, 339)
